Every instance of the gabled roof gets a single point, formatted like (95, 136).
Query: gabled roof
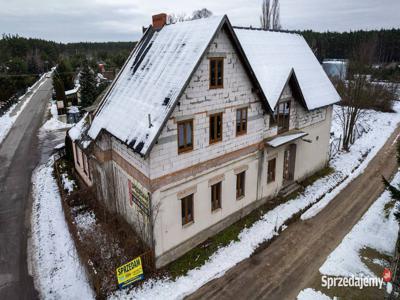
(274, 55)
(152, 80)
(145, 92)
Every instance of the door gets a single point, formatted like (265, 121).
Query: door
(289, 162)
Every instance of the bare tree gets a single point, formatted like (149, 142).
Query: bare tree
(358, 93)
(197, 14)
(175, 18)
(270, 15)
(201, 13)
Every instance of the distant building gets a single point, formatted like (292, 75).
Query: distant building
(73, 98)
(336, 67)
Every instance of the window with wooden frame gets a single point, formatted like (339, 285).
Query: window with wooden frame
(187, 209)
(215, 128)
(76, 154)
(241, 121)
(216, 72)
(282, 116)
(216, 196)
(185, 136)
(271, 170)
(84, 161)
(240, 185)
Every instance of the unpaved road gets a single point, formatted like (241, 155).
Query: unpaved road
(292, 261)
(20, 152)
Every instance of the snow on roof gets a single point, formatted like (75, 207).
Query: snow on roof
(273, 55)
(73, 91)
(152, 80)
(73, 110)
(75, 133)
(286, 138)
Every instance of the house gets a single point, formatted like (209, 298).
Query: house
(68, 110)
(204, 123)
(80, 141)
(336, 68)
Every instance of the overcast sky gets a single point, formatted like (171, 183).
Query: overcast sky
(122, 20)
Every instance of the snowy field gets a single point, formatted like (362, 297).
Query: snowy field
(56, 268)
(377, 230)
(347, 166)
(52, 229)
(7, 121)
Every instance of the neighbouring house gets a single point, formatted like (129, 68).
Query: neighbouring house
(80, 141)
(68, 110)
(204, 123)
(81, 154)
(336, 68)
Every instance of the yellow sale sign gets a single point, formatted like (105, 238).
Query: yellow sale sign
(130, 272)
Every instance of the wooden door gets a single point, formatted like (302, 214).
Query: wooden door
(289, 162)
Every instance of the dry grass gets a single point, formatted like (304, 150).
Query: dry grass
(104, 245)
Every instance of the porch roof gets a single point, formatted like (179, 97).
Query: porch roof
(285, 138)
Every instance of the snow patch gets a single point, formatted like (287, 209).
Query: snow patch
(311, 294)
(379, 128)
(85, 221)
(374, 231)
(53, 123)
(68, 184)
(57, 271)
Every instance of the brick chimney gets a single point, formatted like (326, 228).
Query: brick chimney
(159, 21)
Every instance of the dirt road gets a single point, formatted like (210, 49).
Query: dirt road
(292, 261)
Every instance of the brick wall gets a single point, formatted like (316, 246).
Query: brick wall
(198, 101)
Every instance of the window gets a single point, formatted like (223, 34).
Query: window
(76, 154)
(216, 73)
(282, 115)
(215, 128)
(216, 196)
(187, 209)
(240, 184)
(84, 163)
(271, 170)
(185, 136)
(241, 121)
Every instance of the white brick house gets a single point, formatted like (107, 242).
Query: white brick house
(203, 124)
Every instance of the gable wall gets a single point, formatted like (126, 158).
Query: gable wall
(198, 101)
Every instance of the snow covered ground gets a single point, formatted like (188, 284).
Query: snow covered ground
(56, 256)
(311, 294)
(57, 271)
(53, 123)
(347, 166)
(7, 120)
(377, 230)
(374, 230)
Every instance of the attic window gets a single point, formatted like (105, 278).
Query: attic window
(216, 72)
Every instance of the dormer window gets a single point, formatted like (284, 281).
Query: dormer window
(216, 73)
(282, 116)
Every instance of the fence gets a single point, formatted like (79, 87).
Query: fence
(148, 261)
(334, 147)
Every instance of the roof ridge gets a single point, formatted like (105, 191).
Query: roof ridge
(267, 30)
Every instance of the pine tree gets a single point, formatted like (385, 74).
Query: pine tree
(394, 191)
(59, 89)
(65, 73)
(88, 86)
